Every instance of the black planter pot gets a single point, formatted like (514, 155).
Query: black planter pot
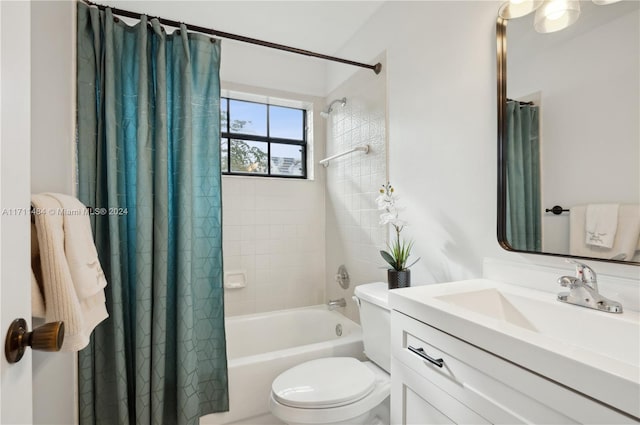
(398, 278)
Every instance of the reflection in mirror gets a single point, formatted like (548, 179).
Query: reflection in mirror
(569, 134)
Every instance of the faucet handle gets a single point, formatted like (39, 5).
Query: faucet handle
(584, 272)
(569, 281)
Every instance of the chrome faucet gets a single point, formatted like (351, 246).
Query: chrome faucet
(333, 304)
(583, 290)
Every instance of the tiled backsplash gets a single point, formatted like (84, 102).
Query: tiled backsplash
(273, 230)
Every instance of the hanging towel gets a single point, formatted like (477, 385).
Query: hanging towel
(628, 233)
(80, 308)
(601, 224)
(625, 241)
(37, 302)
(82, 257)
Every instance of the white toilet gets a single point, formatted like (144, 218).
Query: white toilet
(343, 390)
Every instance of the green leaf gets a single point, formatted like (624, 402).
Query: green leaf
(388, 258)
(410, 265)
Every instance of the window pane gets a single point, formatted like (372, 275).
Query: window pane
(248, 156)
(248, 117)
(224, 155)
(286, 160)
(285, 123)
(223, 114)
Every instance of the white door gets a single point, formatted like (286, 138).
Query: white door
(15, 278)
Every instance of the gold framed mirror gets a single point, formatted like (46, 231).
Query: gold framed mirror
(569, 133)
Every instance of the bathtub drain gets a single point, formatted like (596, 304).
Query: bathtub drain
(339, 329)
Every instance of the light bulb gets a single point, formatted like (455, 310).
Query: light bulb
(556, 10)
(518, 8)
(556, 15)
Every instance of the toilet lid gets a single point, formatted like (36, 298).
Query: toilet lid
(328, 382)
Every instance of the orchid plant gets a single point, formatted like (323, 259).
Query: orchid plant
(398, 251)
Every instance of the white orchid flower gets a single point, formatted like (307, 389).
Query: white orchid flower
(385, 201)
(399, 251)
(399, 223)
(386, 218)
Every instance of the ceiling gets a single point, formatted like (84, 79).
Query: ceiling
(320, 26)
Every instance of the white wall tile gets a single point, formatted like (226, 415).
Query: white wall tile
(353, 234)
(274, 230)
(262, 231)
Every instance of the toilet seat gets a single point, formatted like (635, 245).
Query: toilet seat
(323, 383)
(346, 410)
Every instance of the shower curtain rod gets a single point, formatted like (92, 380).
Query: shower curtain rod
(521, 102)
(126, 13)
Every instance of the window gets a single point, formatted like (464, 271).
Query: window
(258, 139)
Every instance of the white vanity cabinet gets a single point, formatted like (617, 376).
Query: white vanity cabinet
(475, 386)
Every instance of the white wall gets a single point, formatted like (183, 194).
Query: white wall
(442, 131)
(258, 66)
(53, 96)
(354, 236)
(52, 168)
(442, 128)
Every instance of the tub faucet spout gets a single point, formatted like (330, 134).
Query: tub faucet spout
(333, 304)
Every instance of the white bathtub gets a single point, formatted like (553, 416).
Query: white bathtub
(261, 346)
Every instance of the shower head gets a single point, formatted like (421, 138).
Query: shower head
(342, 102)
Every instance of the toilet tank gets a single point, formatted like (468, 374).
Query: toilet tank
(375, 319)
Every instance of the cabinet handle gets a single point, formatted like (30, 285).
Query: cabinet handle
(420, 352)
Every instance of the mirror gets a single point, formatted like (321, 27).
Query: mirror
(569, 135)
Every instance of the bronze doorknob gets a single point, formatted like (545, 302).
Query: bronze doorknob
(47, 337)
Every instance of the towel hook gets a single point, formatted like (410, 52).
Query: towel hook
(557, 210)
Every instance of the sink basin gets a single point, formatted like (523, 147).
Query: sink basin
(593, 352)
(555, 320)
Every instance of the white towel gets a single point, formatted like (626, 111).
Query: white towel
(625, 241)
(72, 302)
(37, 302)
(628, 233)
(601, 224)
(82, 257)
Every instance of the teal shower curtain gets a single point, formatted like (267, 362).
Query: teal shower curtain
(149, 165)
(522, 145)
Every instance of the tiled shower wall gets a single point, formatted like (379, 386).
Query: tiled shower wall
(354, 236)
(274, 229)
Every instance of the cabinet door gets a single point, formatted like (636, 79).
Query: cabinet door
(416, 401)
(492, 387)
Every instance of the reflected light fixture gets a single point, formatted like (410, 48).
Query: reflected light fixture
(556, 15)
(551, 15)
(518, 8)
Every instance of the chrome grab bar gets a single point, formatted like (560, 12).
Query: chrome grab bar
(420, 352)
